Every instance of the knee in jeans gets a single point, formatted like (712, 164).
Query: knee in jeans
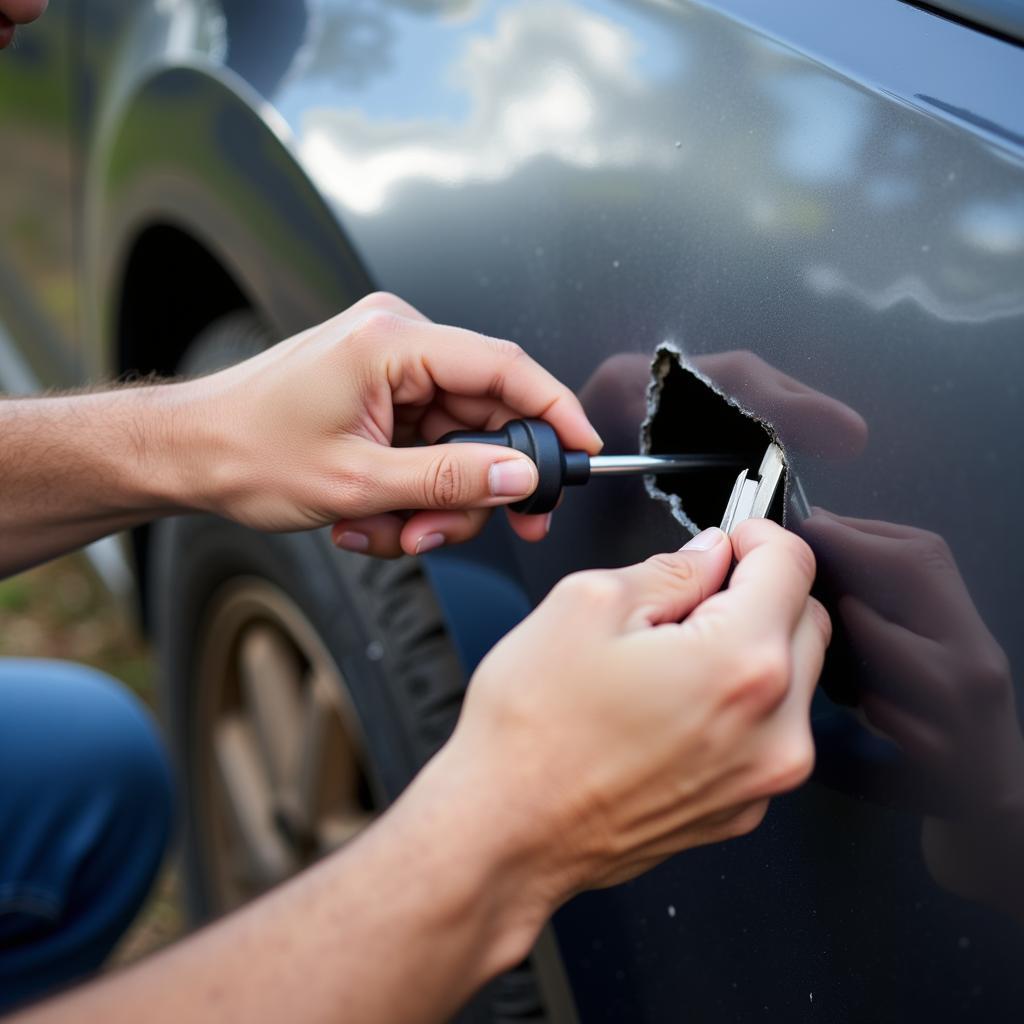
(105, 747)
(132, 767)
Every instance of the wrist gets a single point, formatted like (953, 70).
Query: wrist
(185, 459)
(161, 452)
(489, 862)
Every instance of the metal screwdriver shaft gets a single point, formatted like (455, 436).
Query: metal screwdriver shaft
(627, 465)
(558, 468)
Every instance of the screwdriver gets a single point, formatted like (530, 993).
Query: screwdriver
(558, 468)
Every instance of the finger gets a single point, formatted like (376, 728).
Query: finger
(426, 531)
(446, 476)
(423, 357)
(436, 422)
(782, 755)
(372, 535)
(631, 600)
(529, 527)
(909, 578)
(821, 425)
(478, 413)
(913, 670)
(468, 414)
(810, 641)
(916, 736)
(807, 420)
(895, 531)
(669, 586)
(768, 590)
(615, 396)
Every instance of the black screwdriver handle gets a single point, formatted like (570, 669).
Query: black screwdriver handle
(556, 467)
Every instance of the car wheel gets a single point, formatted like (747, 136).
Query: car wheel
(302, 688)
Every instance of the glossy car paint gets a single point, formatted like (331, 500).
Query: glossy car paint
(831, 189)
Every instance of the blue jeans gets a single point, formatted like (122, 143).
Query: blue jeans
(85, 815)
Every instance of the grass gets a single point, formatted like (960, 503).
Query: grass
(61, 610)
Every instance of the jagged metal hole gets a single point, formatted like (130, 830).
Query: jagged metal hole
(687, 414)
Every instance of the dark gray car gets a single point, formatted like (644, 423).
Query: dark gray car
(819, 203)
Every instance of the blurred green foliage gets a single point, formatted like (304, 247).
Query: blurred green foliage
(61, 610)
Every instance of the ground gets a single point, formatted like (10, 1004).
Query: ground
(61, 610)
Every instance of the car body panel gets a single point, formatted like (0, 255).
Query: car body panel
(37, 262)
(829, 189)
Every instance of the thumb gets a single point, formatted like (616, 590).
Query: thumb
(667, 587)
(452, 476)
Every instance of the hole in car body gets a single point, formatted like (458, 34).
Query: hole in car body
(686, 414)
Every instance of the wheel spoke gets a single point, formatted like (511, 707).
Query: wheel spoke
(286, 755)
(270, 671)
(326, 768)
(265, 858)
(337, 829)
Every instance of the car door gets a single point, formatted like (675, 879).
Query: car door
(821, 205)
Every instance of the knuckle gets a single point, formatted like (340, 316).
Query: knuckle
(822, 619)
(390, 303)
(748, 819)
(756, 532)
(990, 676)
(381, 300)
(360, 488)
(802, 554)
(760, 677)
(677, 569)
(626, 366)
(791, 762)
(373, 327)
(508, 351)
(445, 483)
(932, 551)
(507, 354)
(593, 588)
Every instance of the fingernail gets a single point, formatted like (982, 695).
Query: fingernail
(513, 478)
(428, 542)
(598, 438)
(705, 540)
(351, 540)
(547, 524)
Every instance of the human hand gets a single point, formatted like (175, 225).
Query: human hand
(934, 678)
(938, 684)
(321, 429)
(637, 712)
(807, 420)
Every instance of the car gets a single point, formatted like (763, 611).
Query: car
(812, 209)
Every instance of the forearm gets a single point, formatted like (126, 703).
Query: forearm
(75, 468)
(401, 927)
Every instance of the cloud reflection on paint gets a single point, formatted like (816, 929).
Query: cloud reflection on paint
(520, 111)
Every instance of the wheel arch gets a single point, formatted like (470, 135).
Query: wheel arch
(195, 205)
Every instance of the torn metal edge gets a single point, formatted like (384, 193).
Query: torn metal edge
(664, 355)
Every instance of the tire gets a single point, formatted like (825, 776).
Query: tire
(254, 628)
